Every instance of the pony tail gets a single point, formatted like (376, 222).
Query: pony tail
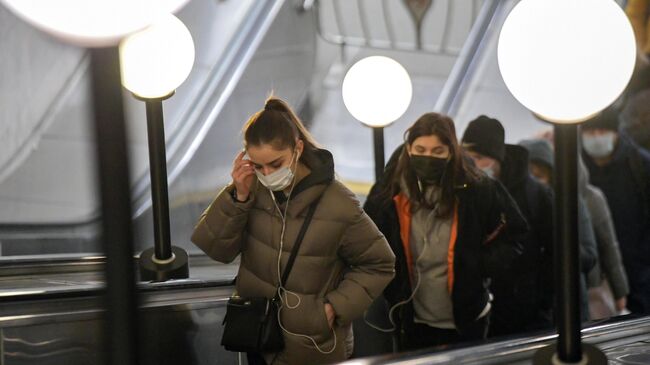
(275, 104)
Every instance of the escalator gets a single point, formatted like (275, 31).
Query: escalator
(51, 278)
(51, 270)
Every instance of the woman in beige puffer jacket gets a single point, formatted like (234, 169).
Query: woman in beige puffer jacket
(344, 262)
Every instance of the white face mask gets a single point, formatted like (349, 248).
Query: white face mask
(277, 180)
(599, 146)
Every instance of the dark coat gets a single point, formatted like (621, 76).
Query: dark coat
(523, 298)
(483, 206)
(625, 180)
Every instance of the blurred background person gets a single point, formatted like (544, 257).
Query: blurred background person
(523, 296)
(484, 140)
(607, 281)
(622, 171)
(635, 119)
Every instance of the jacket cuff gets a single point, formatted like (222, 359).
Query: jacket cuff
(619, 286)
(341, 306)
(225, 205)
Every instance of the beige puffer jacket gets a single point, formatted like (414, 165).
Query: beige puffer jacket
(344, 260)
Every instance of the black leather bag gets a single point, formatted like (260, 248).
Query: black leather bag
(251, 323)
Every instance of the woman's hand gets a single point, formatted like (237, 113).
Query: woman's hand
(242, 176)
(331, 314)
(620, 304)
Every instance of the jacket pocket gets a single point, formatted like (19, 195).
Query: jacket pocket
(307, 318)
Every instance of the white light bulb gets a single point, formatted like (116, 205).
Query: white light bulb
(91, 23)
(377, 90)
(156, 60)
(566, 60)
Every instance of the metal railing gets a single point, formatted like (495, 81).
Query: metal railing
(342, 36)
(460, 72)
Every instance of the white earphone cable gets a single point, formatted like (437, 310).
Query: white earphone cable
(281, 289)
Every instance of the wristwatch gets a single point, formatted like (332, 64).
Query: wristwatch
(233, 194)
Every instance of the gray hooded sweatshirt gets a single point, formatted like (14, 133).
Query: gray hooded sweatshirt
(609, 265)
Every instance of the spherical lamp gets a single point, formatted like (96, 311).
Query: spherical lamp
(157, 59)
(91, 23)
(377, 90)
(566, 60)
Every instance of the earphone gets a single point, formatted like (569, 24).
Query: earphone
(413, 292)
(403, 302)
(281, 289)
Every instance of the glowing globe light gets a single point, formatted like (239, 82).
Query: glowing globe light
(566, 60)
(91, 23)
(156, 60)
(377, 90)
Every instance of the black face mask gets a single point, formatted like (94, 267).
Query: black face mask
(428, 169)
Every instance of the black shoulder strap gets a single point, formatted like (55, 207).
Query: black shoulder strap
(301, 235)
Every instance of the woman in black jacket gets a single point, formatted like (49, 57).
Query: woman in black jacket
(451, 228)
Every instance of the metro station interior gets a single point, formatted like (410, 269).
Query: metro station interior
(53, 258)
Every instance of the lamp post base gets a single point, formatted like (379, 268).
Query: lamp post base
(591, 355)
(152, 269)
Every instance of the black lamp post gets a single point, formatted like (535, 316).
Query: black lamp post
(115, 193)
(558, 81)
(163, 261)
(155, 62)
(378, 148)
(569, 348)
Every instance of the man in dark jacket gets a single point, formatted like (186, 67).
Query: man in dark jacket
(622, 171)
(523, 298)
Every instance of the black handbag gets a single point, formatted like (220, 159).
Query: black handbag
(251, 323)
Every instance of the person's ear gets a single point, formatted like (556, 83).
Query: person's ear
(300, 147)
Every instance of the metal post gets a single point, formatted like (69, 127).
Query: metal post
(378, 139)
(158, 171)
(121, 324)
(163, 261)
(568, 349)
(567, 264)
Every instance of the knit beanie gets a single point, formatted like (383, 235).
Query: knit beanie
(486, 136)
(540, 151)
(607, 119)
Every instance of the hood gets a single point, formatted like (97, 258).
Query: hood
(540, 151)
(321, 164)
(514, 170)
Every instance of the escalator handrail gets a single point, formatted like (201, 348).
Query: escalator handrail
(223, 80)
(184, 143)
(452, 89)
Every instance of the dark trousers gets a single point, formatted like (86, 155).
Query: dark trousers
(419, 335)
